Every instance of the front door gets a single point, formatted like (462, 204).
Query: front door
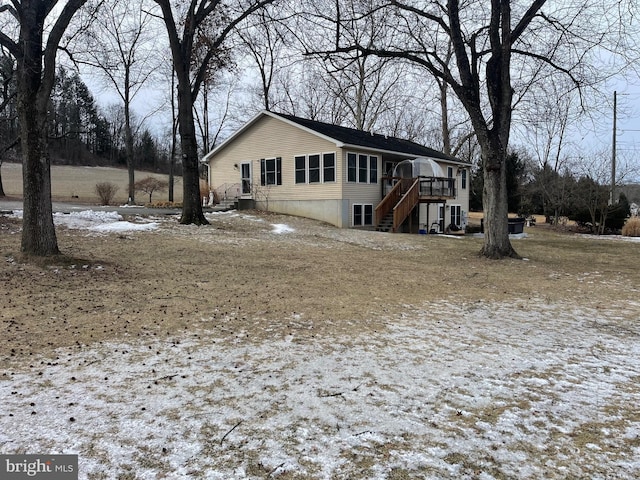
(245, 174)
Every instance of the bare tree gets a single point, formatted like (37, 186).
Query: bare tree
(40, 32)
(197, 25)
(119, 46)
(8, 115)
(500, 48)
(265, 39)
(149, 185)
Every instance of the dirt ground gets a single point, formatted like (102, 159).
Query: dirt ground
(314, 280)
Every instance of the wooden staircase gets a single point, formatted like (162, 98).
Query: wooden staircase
(406, 194)
(396, 206)
(386, 223)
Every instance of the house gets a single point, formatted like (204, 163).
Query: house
(346, 177)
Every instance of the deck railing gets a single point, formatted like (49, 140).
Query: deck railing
(444, 187)
(405, 205)
(390, 200)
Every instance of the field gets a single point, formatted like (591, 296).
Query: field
(265, 346)
(77, 184)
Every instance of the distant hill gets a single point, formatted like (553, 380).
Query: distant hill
(77, 184)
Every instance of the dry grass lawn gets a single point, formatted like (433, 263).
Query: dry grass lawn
(161, 282)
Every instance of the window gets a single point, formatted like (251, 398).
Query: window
(363, 164)
(351, 167)
(315, 168)
(456, 215)
(271, 171)
(329, 164)
(362, 168)
(373, 169)
(362, 214)
(463, 179)
(301, 169)
(450, 172)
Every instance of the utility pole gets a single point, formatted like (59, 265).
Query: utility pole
(613, 152)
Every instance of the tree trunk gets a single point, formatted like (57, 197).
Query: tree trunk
(496, 224)
(2, 194)
(191, 203)
(38, 231)
(128, 138)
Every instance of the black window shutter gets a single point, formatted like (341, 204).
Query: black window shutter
(263, 172)
(279, 171)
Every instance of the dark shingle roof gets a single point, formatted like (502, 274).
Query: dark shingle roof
(351, 136)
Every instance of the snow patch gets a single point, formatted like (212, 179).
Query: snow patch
(96, 221)
(279, 228)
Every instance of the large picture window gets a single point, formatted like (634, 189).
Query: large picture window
(362, 168)
(315, 168)
(362, 214)
(271, 171)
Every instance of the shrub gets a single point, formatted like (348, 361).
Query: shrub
(106, 191)
(631, 227)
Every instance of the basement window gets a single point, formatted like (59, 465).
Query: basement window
(362, 214)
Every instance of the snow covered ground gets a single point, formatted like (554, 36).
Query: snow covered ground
(100, 222)
(468, 391)
(524, 390)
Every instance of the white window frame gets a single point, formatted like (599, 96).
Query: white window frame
(363, 215)
(303, 170)
(264, 172)
(453, 216)
(321, 168)
(248, 179)
(360, 173)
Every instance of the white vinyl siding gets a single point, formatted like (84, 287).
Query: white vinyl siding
(271, 138)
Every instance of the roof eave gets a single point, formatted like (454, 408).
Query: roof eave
(401, 153)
